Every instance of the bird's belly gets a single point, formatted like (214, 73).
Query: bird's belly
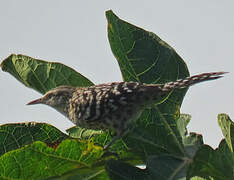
(116, 120)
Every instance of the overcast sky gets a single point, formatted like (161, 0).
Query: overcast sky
(75, 33)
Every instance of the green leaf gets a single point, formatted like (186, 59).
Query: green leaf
(94, 173)
(82, 133)
(38, 161)
(191, 142)
(217, 164)
(118, 170)
(166, 167)
(162, 167)
(199, 178)
(41, 75)
(144, 57)
(227, 127)
(17, 135)
(161, 131)
(101, 138)
(182, 124)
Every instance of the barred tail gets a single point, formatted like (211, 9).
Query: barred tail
(189, 81)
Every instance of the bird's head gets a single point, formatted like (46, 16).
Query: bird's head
(57, 98)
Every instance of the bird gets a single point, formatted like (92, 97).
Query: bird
(113, 106)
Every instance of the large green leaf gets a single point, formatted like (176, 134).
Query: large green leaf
(118, 170)
(38, 161)
(144, 57)
(98, 173)
(209, 163)
(219, 163)
(167, 167)
(41, 75)
(162, 166)
(17, 135)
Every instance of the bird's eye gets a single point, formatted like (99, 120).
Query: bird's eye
(49, 96)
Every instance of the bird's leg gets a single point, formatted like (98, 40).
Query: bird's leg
(116, 137)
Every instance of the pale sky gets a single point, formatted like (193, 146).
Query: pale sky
(75, 33)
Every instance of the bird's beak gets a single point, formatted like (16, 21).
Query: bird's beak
(37, 101)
